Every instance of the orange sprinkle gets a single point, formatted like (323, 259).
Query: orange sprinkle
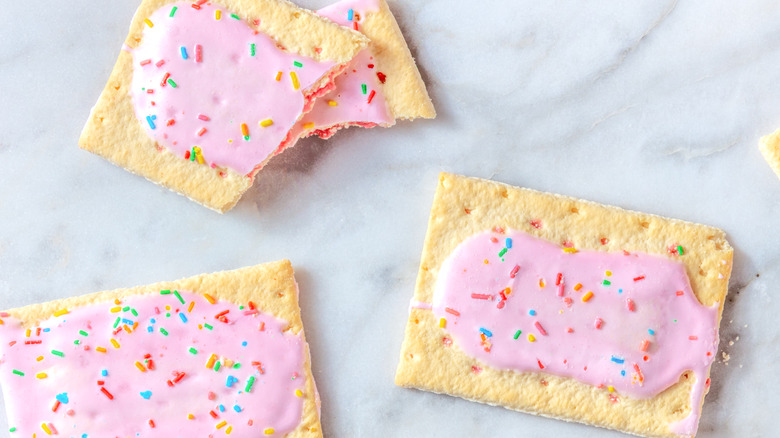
(39, 358)
(309, 125)
(645, 345)
(210, 299)
(245, 129)
(100, 349)
(541, 282)
(211, 361)
(192, 306)
(578, 286)
(278, 76)
(587, 296)
(140, 366)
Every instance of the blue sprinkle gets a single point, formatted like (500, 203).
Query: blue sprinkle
(350, 15)
(651, 331)
(146, 394)
(230, 381)
(127, 321)
(62, 398)
(509, 243)
(532, 312)
(617, 359)
(83, 435)
(487, 332)
(46, 330)
(183, 318)
(620, 291)
(104, 373)
(152, 320)
(150, 329)
(221, 408)
(237, 408)
(243, 344)
(183, 52)
(150, 120)
(623, 373)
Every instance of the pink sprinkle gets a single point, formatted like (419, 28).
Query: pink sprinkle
(693, 338)
(212, 396)
(498, 230)
(160, 63)
(680, 293)
(514, 271)
(146, 62)
(4, 314)
(201, 132)
(639, 374)
(53, 429)
(645, 345)
(446, 341)
(569, 330)
(567, 301)
(560, 290)
(150, 91)
(482, 297)
(203, 117)
(501, 304)
(198, 53)
(475, 369)
(452, 311)
(493, 239)
(598, 323)
(630, 304)
(540, 328)
(250, 312)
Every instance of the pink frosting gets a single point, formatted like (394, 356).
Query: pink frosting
(353, 105)
(634, 323)
(221, 85)
(176, 379)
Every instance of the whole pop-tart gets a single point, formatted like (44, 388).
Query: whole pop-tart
(212, 355)
(770, 149)
(566, 308)
(381, 84)
(205, 93)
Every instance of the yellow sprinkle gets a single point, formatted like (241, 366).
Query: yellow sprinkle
(167, 307)
(192, 306)
(609, 273)
(116, 309)
(333, 103)
(266, 123)
(570, 250)
(587, 296)
(442, 323)
(61, 312)
(227, 362)
(127, 329)
(296, 85)
(39, 358)
(27, 334)
(578, 286)
(140, 366)
(46, 428)
(41, 375)
(531, 338)
(100, 349)
(115, 343)
(278, 76)
(309, 125)
(228, 430)
(210, 362)
(210, 299)
(222, 424)
(611, 388)
(299, 393)
(190, 416)
(269, 431)
(218, 14)
(148, 22)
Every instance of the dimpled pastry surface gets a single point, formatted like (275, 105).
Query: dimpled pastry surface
(627, 321)
(209, 88)
(170, 364)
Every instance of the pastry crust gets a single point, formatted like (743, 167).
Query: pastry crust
(465, 206)
(114, 132)
(404, 89)
(770, 148)
(270, 286)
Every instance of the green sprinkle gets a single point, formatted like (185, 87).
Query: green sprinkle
(193, 350)
(364, 87)
(116, 323)
(18, 373)
(83, 333)
(163, 331)
(165, 292)
(134, 312)
(58, 353)
(679, 250)
(192, 158)
(13, 429)
(235, 16)
(252, 49)
(217, 366)
(167, 315)
(178, 296)
(517, 333)
(126, 308)
(501, 254)
(173, 84)
(249, 384)
(76, 342)
(208, 326)
(173, 11)
(606, 283)
(236, 366)
(241, 307)
(246, 137)
(297, 64)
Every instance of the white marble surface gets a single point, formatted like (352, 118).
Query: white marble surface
(654, 106)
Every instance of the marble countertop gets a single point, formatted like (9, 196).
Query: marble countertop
(654, 106)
